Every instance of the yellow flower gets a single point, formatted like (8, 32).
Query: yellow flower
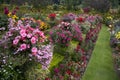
(14, 17)
(109, 17)
(47, 18)
(9, 14)
(118, 35)
(43, 25)
(22, 18)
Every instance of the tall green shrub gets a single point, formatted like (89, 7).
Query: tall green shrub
(99, 5)
(71, 4)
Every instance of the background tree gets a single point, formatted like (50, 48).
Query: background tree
(99, 5)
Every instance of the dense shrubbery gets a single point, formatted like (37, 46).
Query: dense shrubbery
(73, 36)
(99, 5)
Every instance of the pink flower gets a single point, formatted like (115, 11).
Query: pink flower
(41, 33)
(42, 40)
(29, 35)
(23, 46)
(33, 40)
(15, 42)
(23, 33)
(28, 46)
(34, 50)
(31, 29)
(18, 37)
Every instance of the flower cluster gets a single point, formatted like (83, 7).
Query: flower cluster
(80, 19)
(86, 10)
(64, 33)
(22, 38)
(43, 25)
(44, 55)
(69, 17)
(52, 16)
(35, 23)
(11, 14)
(70, 68)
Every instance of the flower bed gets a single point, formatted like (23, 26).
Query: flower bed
(115, 44)
(28, 46)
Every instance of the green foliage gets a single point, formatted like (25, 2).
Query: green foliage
(3, 21)
(99, 5)
(115, 3)
(71, 4)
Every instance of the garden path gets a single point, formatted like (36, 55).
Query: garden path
(101, 65)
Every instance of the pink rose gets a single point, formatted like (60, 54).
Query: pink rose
(23, 46)
(22, 31)
(33, 40)
(15, 42)
(29, 35)
(23, 34)
(34, 50)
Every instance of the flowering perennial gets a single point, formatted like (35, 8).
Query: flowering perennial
(22, 38)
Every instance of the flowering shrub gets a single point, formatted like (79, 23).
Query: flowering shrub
(25, 40)
(69, 17)
(64, 33)
(70, 68)
(80, 19)
(36, 23)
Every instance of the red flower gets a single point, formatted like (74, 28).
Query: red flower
(52, 15)
(83, 51)
(76, 75)
(83, 58)
(68, 72)
(17, 8)
(47, 78)
(77, 48)
(86, 10)
(80, 19)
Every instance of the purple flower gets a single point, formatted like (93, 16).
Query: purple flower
(14, 12)
(56, 70)
(6, 11)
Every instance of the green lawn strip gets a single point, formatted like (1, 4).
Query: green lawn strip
(57, 57)
(101, 65)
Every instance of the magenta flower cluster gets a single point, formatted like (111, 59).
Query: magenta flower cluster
(64, 33)
(23, 38)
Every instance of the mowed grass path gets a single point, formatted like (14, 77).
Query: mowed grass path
(101, 65)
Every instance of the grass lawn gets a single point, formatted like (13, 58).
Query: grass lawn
(58, 57)
(101, 65)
